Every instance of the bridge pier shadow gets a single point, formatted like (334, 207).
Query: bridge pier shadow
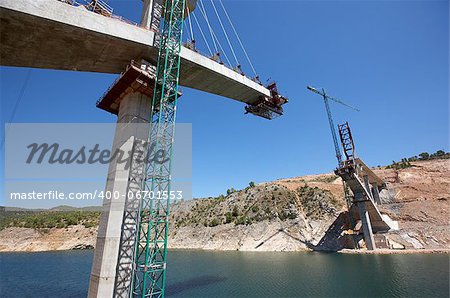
(196, 282)
(333, 240)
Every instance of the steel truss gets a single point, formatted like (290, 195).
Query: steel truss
(149, 272)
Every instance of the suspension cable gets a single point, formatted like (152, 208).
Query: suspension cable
(190, 23)
(225, 33)
(202, 34)
(205, 16)
(188, 35)
(238, 38)
(222, 50)
(214, 35)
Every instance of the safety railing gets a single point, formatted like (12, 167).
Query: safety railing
(102, 8)
(99, 7)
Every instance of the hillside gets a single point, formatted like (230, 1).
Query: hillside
(294, 214)
(285, 215)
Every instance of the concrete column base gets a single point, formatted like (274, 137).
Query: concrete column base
(366, 226)
(135, 108)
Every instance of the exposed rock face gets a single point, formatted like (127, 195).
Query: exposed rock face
(299, 213)
(285, 215)
(26, 239)
(420, 203)
(267, 217)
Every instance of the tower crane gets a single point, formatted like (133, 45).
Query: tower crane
(344, 132)
(149, 270)
(361, 185)
(326, 99)
(150, 251)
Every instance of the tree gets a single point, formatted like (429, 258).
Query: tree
(424, 155)
(251, 184)
(440, 153)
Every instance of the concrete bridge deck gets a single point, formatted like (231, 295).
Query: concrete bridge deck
(55, 35)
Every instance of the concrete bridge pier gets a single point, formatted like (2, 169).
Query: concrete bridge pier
(151, 14)
(367, 186)
(117, 229)
(376, 193)
(365, 223)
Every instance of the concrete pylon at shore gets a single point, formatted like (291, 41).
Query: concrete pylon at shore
(117, 228)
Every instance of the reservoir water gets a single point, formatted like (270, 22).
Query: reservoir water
(241, 274)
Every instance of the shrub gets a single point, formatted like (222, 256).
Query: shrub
(89, 224)
(214, 222)
(235, 211)
(228, 217)
(243, 220)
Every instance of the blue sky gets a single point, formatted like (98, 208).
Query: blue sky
(388, 58)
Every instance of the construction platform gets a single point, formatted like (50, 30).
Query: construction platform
(137, 77)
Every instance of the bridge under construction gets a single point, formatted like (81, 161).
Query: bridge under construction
(152, 59)
(361, 185)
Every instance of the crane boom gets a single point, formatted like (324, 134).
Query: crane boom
(333, 131)
(326, 99)
(343, 103)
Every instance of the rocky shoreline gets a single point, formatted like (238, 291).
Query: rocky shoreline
(293, 214)
(32, 240)
(81, 238)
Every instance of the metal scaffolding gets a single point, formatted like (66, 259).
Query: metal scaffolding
(149, 276)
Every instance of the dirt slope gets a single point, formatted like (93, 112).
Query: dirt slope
(285, 215)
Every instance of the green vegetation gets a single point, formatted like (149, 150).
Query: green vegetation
(228, 217)
(326, 179)
(230, 191)
(235, 211)
(283, 215)
(317, 202)
(263, 203)
(440, 154)
(400, 165)
(406, 162)
(243, 220)
(49, 219)
(214, 222)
